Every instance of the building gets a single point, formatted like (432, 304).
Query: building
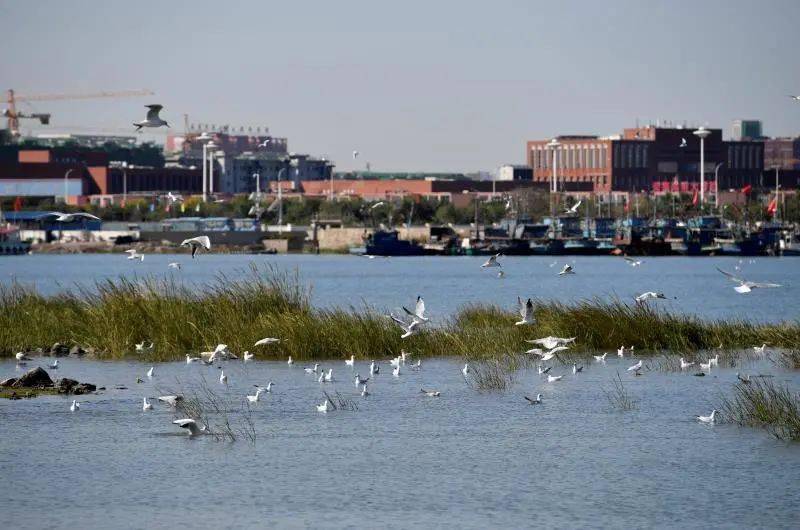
(746, 130)
(375, 189)
(783, 153)
(514, 172)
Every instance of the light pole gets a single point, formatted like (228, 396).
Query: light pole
(777, 192)
(280, 201)
(205, 139)
(211, 148)
(702, 133)
(716, 185)
(124, 183)
(553, 182)
(66, 192)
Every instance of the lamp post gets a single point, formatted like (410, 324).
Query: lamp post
(211, 148)
(716, 185)
(554, 145)
(66, 187)
(702, 133)
(124, 183)
(777, 192)
(280, 201)
(204, 139)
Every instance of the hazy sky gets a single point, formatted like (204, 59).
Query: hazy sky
(413, 85)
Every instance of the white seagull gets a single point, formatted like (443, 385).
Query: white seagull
(543, 371)
(144, 347)
(196, 243)
(360, 381)
(190, 425)
(223, 379)
(525, 311)
(61, 217)
(146, 405)
(408, 329)
(172, 401)
(465, 370)
(312, 370)
(683, 142)
(685, 365)
(636, 367)
(153, 119)
(75, 406)
(574, 208)
(549, 354)
(760, 349)
(537, 401)
(431, 393)
(621, 351)
(566, 270)
(600, 358)
(377, 205)
(151, 371)
(247, 356)
(290, 362)
(551, 342)
(134, 254)
(351, 361)
(642, 298)
(745, 286)
(174, 265)
(492, 261)
(396, 371)
(632, 262)
(329, 375)
(54, 366)
(707, 419)
(576, 369)
(554, 378)
(255, 398)
(796, 98)
(364, 392)
(419, 311)
(706, 367)
(20, 356)
(323, 407)
(268, 340)
(373, 368)
(714, 360)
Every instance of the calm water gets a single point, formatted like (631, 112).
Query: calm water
(465, 460)
(693, 284)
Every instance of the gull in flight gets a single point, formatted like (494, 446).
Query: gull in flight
(465, 370)
(525, 311)
(419, 311)
(685, 365)
(576, 369)
(554, 378)
(574, 208)
(364, 392)
(153, 119)
(174, 265)
(61, 217)
(566, 270)
(191, 426)
(247, 356)
(553, 352)
(377, 205)
(600, 358)
(360, 381)
(683, 142)
(707, 419)
(760, 349)
(636, 367)
(537, 401)
(431, 393)
(492, 261)
(551, 342)
(351, 361)
(134, 254)
(150, 372)
(146, 405)
(197, 243)
(75, 406)
(796, 98)
(267, 341)
(644, 297)
(172, 401)
(266, 142)
(746, 286)
(173, 198)
(312, 370)
(535, 351)
(255, 398)
(408, 329)
(632, 262)
(223, 379)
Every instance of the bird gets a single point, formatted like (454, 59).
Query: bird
(706, 366)
(61, 217)
(685, 365)
(247, 356)
(566, 270)
(642, 298)
(377, 205)
(196, 243)
(364, 392)
(146, 405)
(290, 362)
(707, 419)
(683, 142)
(20, 356)
(759, 349)
(543, 371)
(418, 365)
(191, 426)
(75, 406)
(465, 370)
(535, 351)
(796, 98)
(254, 399)
(223, 378)
(525, 311)
(172, 401)
(501, 275)
(745, 380)
(714, 360)
(554, 378)
(632, 262)
(321, 378)
(551, 342)
(746, 286)
(268, 388)
(600, 358)
(151, 372)
(395, 361)
(144, 347)
(174, 265)
(537, 401)
(134, 254)
(190, 359)
(355, 154)
(360, 381)
(266, 142)
(54, 365)
(329, 375)
(373, 368)
(351, 361)
(431, 393)
(492, 261)
(268, 340)
(621, 351)
(576, 369)
(323, 407)
(574, 208)
(553, 352)
(173, 198)
(408, 329)
(396, 371)
(153, 119)
(419, 311)
(312, 370)
(636, 367)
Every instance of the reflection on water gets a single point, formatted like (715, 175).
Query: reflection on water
(465, 459)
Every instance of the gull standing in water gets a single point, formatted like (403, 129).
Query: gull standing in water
(525, 311)
(312, 370)
(75, 406)
(329, 376)
(576, 369)
(146, 405)
(364, 392)
(537, 401)
(396, 371)
(290, 361)
(636, 367)
(554, 378)
(150, 372)
(566, 270)
(54, 366)
(360, 381)
(196, 243)
(351, 361)
(706, 367)
(492, 261)
(600, 358)
(419, 311)
(714, 360)
(745, 286)
(465, 370)
(373, 368)
(621, 351)
(223, 379)
(707, 419)
(255, 398)
(191, 426)
(431, 393)
(760, 349)
(323, 407)
(685, 365)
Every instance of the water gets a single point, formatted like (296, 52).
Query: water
(693, 284)
(402, 460)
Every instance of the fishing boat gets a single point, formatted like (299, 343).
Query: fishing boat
(388, 243)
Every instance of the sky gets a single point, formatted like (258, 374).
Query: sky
(413, 85)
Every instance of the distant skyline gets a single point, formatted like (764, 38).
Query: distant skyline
(413, 86)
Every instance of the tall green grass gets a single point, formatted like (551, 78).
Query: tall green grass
(763, 404)
(112, 316)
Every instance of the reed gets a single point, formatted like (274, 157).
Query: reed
(764, 404)
(113, 315)
(618, 396)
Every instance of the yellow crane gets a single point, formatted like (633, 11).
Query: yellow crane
(14, 116)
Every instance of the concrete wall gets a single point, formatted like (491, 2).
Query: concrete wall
(39, 236)
(344, 238)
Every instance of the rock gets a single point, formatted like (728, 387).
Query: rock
(36, 378)
(59, 350)
(8, 382)
(65, 385)
(77, 350)
(83, 388)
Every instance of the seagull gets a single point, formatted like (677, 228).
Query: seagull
(632, 262)
(172, 198)
(636, 367)
(395, 361)
(373, 368)
(312, 370)
(554, 378)
(492, 261)
(683, 142)
(152, 120)
(54, 366)
(419, 311)
(745, 380)
(746, 286)
(75, 406)
(134, 254)
(377, 205)
(685, 365)
(714, 360)
(525, 311)
(537, 401)
(61, 217)
(360, 381)
(418, 365)
(465, 370)
(146, 405)
(355, 154)
(621, 351)
(321, 378)
(644, 297)
(796, 98)
(172, 401)
(759, 349)
(576, 368)
(501, 275)
(707, 419)
(600, 358)
(566, 270)
(706, 367)
(20, 356)
(329, 375)
(396, 371)
(543, 371)
(535, 351)
(551, 342)
(266, 142)
(431, 393)
(268, 340)
(190, 359)
(290, 361)
(255, 398)
(247, 356)
(351, 361)
(323, 407)
(197, 243)
(364, 392)
(408, 329)
(546, 356)
(174, 265)
(574, 208)
(191, 426)
(150, 372)
(223, 379)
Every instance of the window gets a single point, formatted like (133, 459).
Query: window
(617, 156)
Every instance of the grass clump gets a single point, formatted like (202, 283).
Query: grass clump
(763, 404)
(618, 396)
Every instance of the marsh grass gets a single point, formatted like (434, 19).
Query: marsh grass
(764, 404)
(114, 315)
(618, 396)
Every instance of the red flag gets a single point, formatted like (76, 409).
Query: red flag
(695, 198)
(747, 189)
(772, 207)
(626, 207)
(18, 204)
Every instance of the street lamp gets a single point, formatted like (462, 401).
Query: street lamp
(124, 183)
(716, 184)
(212, 147)
(280, 200)
(66, 192)
(205, 139)
(553, 145)
(702, 133)
(777, 192)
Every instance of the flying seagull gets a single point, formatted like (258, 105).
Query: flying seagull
(746, 286)
(525, 311)
(134, 254)
(796, 98)
(191, 426)
(574, 208)
(633, 262)
(644, 297)
(61, 217)
(266, 142)
(153, 119)
(492, 261)
(196, 243)
(552, 342)
(683, 142)
(377, 205)
(408, 329)
(566, 270)
(419, 311)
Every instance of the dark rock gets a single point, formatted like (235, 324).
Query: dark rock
(83, 388)
(8, 382)
(14, 396)
(77, 350)
(65, 385)
(59, 350)
(36, 378)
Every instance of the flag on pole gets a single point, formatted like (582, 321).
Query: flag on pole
(772, 208)
(695, 199)
(18, 204)
(747, 189)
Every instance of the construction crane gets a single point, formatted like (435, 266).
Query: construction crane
(44, 118)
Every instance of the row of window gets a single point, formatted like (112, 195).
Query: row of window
(570, 157)
(630, 155)
(744, 157)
